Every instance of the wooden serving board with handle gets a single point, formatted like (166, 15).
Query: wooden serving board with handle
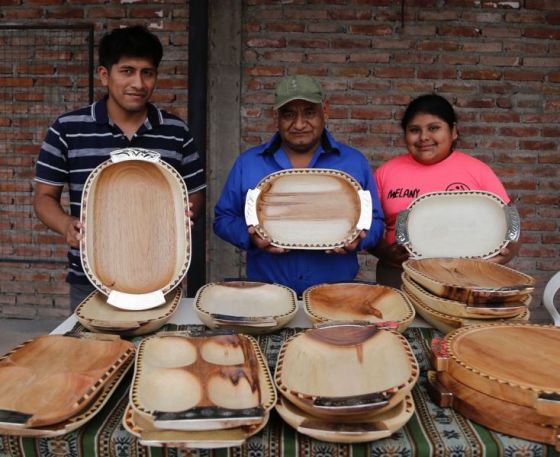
(516, 362)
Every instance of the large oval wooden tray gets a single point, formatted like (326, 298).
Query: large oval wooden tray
(446, 323)
(136, 243)
(457, 224)
(78, 420)
(496, 414)
(459, 309)
(52, 378)
(383, 426)
(245, 306)
(357, 302)
(95, 314)
(308, 208)
(148, 435)
(519, 363)
(201, 381)
(310, 364)
(470, 281)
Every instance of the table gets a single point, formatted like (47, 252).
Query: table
(432, 431)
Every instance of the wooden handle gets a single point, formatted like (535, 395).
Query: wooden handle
(440, 354)
(437, 391)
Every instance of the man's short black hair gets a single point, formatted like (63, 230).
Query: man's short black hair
(135, 41)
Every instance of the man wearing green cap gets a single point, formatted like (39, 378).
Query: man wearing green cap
(302, 141)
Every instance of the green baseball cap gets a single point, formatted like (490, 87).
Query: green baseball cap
(297, 87)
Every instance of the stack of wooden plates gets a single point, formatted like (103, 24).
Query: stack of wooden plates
(450, 293)
(245, 306)
(208, 389)
(137, 244)
(371, 401)
(95, 314)
(503, 376)
(358, 302)
(53, 384)
(308, 208)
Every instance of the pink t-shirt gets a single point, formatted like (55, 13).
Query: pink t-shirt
(402, 179)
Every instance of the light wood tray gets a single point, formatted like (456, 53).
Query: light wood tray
(136, 245)
(309, 367)
(457, 224)
(382, 426)
(463, 310)
(80, 419)
(51, 378)
(209, 439)
(201, 381)
(498, 415)
(518, 363)
(446, 323)
(357, 302)
(245, 306)
(470, 281)
(95, 314)
(307, 208)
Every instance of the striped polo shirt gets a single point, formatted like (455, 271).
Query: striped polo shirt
(81, 140)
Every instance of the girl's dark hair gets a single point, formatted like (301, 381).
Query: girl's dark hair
(135, 41)
(432, 104)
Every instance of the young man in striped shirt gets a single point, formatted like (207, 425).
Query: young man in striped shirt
(80, 140)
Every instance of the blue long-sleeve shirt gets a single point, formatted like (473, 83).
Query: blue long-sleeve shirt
(297, 269)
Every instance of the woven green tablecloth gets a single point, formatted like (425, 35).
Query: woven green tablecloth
(432, 431)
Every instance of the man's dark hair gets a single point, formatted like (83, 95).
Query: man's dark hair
(135, 41)
(433, 104)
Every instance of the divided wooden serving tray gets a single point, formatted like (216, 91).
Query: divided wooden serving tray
(95, 314)
(136, 247)
(201, 381)
(357, 302)
(51, 378)
(245, 306)
(457, 224)
(378, 365)
(308, 208)
(517, 362)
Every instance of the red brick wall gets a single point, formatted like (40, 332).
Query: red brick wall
(38, 81)
(498, 62)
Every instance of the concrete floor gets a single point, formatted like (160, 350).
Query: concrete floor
(16, 331)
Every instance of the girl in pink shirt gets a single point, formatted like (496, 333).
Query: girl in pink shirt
(431, 164)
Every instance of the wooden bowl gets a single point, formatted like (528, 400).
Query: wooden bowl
(446, 323)
(518, 363)
(496, 414)
(470, 281)
(459, 309)
(136, 245)
(381, 427)
(457, 224)
(308, 208)
(149, 435)
(195, 382)
(378, 365)
(51, 378)
(357, 302)
(95, 314)
(245, 306)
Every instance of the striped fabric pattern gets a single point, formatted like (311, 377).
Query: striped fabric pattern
(81, 140)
